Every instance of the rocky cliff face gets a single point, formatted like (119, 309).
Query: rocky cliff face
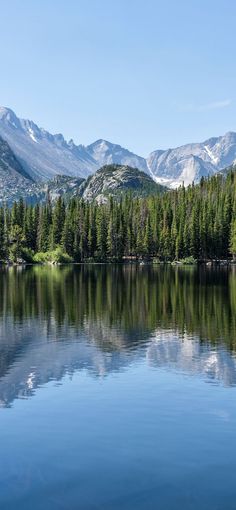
(14, 180)
(192, 161)
(116, 180)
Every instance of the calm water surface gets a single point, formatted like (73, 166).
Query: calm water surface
(117, 388)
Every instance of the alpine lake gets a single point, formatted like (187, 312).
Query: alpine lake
(117, 388)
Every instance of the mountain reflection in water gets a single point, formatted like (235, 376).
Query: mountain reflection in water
(58, 320)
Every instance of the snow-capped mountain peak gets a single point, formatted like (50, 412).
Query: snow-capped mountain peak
(44, 155)
(190, 162)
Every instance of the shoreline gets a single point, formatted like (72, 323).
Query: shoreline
(141, 262)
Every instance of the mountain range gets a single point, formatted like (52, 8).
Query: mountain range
(190, 162)
(110, 180)
(38, 156)
(44, 155)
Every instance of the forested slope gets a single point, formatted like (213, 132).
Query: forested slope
(199, 221)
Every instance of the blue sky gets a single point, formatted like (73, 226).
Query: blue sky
(144, 74)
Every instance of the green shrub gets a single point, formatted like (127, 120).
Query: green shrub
(187, 261)
(57, 256)
(40, 257)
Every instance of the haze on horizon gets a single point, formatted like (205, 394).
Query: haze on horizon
(145, 76)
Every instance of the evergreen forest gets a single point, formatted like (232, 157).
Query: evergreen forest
(197, 222)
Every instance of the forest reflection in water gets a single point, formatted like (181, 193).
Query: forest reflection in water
(56, 320)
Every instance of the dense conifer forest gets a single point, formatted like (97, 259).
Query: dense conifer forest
(198, 222)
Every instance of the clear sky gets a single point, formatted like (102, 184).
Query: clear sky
(146, 74)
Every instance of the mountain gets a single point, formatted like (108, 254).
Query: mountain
(192, 161)
(110, 180)
(44, 155)
(16, 183)
(9, 165)
(116, 180)
(41, 154)
(60, 185)
(106, 153)
(14, 180)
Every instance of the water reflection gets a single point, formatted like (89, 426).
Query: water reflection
(189, 356)
(59, 320)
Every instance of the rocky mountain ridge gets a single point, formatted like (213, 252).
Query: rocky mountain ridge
(190, 162)
(116, 180)
(110, 180)
(43, 155)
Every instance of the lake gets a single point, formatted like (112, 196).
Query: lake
(117, 388)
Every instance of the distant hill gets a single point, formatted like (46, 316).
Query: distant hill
(117, 180)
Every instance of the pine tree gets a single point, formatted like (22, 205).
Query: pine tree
(2, 235)
(233, 238)
(58, 219)
(101, 233)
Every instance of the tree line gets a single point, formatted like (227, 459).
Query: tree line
(123, 298)
(198, 222)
